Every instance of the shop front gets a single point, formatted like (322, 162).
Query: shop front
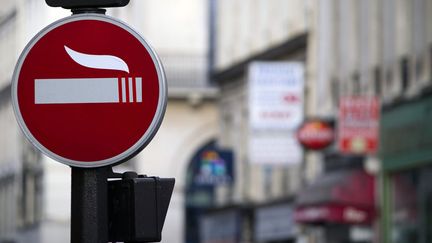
(209, 167)
(406, 155)
(337, 208)
(229, 224)
(274, 222)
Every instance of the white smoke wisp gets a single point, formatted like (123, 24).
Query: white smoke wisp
(98, 61)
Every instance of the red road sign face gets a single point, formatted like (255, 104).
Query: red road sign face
(88, 91)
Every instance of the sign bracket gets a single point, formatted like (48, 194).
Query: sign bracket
(88, 10)
(109, 207)
(85, 4)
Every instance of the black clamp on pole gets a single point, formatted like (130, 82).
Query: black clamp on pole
(113, 207)
(137, 206)
(87, 6)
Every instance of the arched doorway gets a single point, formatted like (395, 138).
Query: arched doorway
(208, 167)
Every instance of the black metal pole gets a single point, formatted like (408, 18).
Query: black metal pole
(89, 203)
(89, 210)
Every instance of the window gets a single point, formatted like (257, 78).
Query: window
(335, 91)
(389, 79)
(377, 81)
(412, 206)
(430, 63)
(419, 68)
(404, 73)
(31, 193)
(356, 88)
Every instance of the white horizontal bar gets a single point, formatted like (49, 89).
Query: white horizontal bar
(138, 82)
(76, 90)
(131, 94)
(123, 83)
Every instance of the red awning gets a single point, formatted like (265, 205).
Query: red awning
(333, 213)
(344, 196)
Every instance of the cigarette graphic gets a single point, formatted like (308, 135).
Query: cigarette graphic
(90, 90)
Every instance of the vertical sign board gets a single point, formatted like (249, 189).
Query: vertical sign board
(358, 125)
(275, 95)
(275, 92)
(88, 91)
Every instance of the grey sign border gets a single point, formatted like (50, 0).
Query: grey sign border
(134, 149)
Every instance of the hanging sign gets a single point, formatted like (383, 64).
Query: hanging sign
(358, 124)
(275, 95)
(315, 134)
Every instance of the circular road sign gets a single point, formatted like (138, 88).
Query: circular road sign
(88, 91)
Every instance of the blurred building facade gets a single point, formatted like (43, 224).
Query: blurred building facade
(383, 49)
(177, 30)
(365, 48)
(351, 48)
(261, 200)
(21, 173)
(190, 121)
(10, 136)
(246, 32)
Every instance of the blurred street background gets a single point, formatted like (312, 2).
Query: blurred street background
(303, 121)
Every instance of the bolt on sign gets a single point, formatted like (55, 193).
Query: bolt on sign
(358, 124)
(89, 91)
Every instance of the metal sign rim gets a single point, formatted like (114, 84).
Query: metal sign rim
(145, 138)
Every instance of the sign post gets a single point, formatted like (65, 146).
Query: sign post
(89, 92)
(89, 212)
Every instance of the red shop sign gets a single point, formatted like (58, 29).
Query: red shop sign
(358, 124)
(315, 134)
